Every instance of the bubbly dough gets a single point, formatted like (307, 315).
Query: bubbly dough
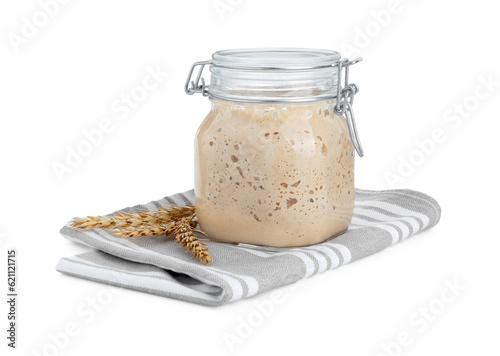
(274, 174)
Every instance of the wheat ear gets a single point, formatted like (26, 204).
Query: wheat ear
(145, 230)
(185, 236)
(121, 220)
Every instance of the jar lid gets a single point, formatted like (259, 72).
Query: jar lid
(274, 75)
(271, 75)
(275, 58)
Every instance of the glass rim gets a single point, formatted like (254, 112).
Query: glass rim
(285, 58)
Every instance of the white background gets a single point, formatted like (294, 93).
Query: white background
(423, 61)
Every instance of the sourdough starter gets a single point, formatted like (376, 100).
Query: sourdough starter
(274, 174)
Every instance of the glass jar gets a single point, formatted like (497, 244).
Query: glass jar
(274, 158)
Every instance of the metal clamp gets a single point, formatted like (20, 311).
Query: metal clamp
(345, 98)
(196, 86)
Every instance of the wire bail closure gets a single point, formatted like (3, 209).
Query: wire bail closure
(345, 98)
(345, 95)
(196, 86)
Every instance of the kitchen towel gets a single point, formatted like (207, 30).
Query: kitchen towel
(381, 219)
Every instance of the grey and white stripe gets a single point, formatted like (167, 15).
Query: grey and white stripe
(381, 218)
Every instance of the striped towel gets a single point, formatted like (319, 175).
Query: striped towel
(380, 219)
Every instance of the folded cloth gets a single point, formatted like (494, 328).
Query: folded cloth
(381, 218)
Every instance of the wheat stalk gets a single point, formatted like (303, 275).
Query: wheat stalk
(175, 220)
